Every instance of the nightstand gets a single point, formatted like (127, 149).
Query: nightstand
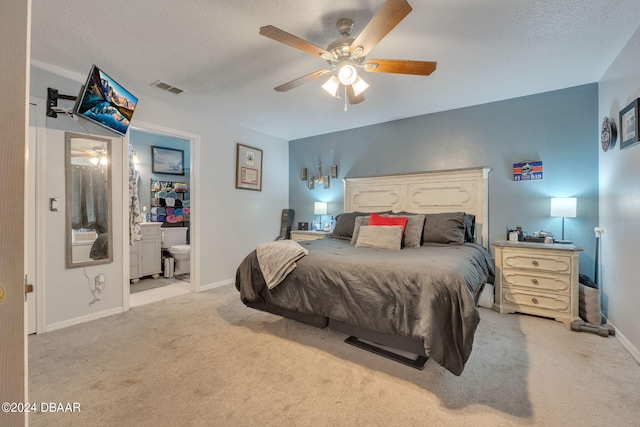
(300, 235)
(537, 278)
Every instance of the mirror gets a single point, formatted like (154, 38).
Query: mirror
(88, 200)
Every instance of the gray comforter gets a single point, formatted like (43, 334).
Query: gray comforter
(425, 293)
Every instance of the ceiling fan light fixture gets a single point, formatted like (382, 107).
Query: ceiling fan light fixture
(331, 86)
(359, 86)
(347, 74)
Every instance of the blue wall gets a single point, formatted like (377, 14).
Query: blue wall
(559, 128)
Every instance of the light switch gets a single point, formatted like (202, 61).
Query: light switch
(54, 204)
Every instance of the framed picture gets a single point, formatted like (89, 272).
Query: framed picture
(167, 160)
(334, 171)
(303, 174)
(310, 183)
(629, 130)
(325, 181)
(248, 167)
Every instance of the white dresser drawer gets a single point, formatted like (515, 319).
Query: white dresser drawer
(557, 303)
(537, 281)
(537, 261)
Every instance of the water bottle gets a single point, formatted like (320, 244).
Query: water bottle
(332, 224)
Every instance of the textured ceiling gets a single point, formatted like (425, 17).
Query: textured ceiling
(486, 51)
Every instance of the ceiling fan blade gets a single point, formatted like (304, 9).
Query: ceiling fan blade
(353, 99)
(420, 68)
(294, 41)
(389, 15)
(301, 80)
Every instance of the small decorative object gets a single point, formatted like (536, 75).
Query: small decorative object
(608, 133)
(334, 171)
(629, 128)
(310, 183)
(167, 160)
(325, 181)
(248, 167)
(527, 171)
(303, 174)
(303, 226)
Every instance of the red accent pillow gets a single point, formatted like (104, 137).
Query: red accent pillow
(375, 219)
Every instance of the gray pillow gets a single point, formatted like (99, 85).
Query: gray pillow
(380, 237)
(360, 221)
(444, 228)
(413, 231)
(345, 223)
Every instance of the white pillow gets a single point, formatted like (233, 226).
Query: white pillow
(380, 237)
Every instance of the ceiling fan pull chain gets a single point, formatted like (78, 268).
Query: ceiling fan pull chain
(345, 97)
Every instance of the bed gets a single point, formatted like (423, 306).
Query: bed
(417, 299)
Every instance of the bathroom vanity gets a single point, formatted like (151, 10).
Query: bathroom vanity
(145, 255)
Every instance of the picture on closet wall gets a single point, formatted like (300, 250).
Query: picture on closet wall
(167, 160)
(629, 125)
(248, 167)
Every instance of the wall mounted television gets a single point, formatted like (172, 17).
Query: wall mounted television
(103, 101)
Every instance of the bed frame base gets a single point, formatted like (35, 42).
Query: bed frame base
(417, 363)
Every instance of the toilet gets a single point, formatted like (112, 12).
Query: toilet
(174, 240)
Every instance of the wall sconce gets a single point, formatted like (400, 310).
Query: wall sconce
(303, 174)
(564, 207)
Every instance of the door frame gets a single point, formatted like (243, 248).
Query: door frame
(40, 210)
(194, 193)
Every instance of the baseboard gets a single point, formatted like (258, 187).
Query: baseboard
(216, 285)
(83, 319)
(633, 351)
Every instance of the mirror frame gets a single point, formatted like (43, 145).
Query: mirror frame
(69, 136)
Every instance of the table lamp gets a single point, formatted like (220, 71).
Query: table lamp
(320, 208)
(564, 207)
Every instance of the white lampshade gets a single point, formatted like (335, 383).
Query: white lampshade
(319, 208)
(347, 74)
(564, 207)
(359, 86)
(331, 86)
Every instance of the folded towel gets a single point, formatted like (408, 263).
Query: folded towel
(155, 202)
(186, 203)
(171, 219)
(162, 211)
(177, 211)
(154, 218)
(162, 218)
(169, 211)
(161, 194)
(178, 203)
(179, 218)
(154, 211)
(278, 259)
(186, 210)
(172, 194)
(186, 218)
(170, 201)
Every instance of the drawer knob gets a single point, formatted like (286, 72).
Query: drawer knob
(534, 262)
(534, 281)
(534, 300)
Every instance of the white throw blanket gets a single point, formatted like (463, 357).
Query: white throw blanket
(278, 259)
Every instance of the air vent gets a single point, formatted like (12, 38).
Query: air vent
(165, 86)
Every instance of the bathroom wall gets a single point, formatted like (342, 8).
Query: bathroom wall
(142, 142)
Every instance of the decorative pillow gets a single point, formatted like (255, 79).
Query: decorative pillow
(469, 228)
(444, 228)
(360, 221)
(375, 219)
(413, 231)
(345, 223)
(380, 237)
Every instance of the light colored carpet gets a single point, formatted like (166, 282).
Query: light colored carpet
(207, 360)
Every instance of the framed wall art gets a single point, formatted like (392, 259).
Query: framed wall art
(629, 131)
(248, 167)
(167, 160)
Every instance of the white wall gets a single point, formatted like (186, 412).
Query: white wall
(619, 173)
(232, 221)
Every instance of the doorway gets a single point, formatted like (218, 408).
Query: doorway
(156, 271)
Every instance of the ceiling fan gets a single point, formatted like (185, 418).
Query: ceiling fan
(97, 156)
(346, 54)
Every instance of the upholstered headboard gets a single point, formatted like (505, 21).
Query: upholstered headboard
(456, 190)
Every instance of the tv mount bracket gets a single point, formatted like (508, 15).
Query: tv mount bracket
(52, 101)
